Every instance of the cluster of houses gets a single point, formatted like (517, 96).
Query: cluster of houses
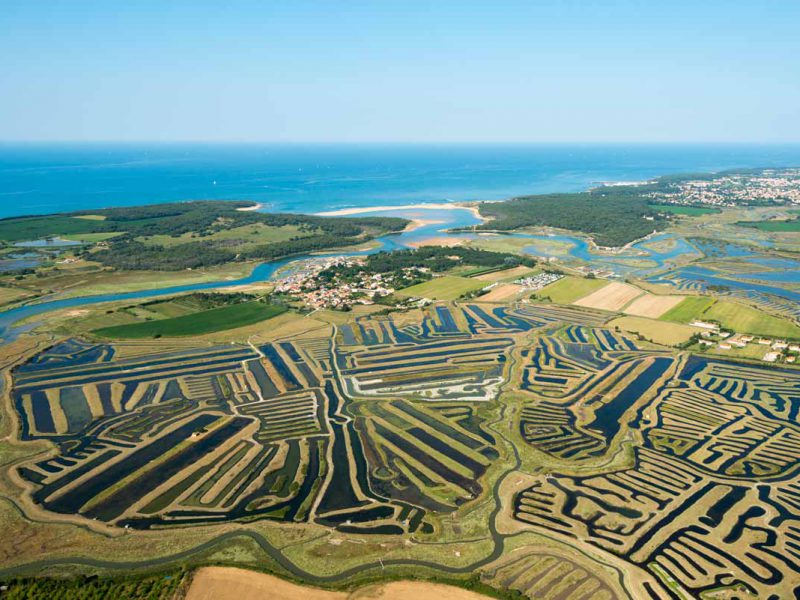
(305, 285)
(775, 350)
(729, 190)
(538, 281)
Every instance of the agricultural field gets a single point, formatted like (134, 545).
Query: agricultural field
(569, 289)
(775, 225)
(652, 306)
(447, 287)
(613, 297)
(225, 583)
(689, 309)
(743, 318)
(537, 449)
(196, 323)
(503, 292)
(505, 274)
(660, 332)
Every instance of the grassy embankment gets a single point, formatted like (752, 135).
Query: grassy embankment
(199, 323)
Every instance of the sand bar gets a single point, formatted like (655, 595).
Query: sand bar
(357, 210)
(256, 206)
(446, 241)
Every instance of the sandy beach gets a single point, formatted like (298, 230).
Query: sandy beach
(446, 241)
(417, 223)
(343, 212)
(256, 206)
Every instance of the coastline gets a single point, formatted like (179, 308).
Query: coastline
(256, 206)
(344, 212)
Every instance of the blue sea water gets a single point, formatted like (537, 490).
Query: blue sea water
(46, 178)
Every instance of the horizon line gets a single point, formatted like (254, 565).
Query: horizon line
(406, 142)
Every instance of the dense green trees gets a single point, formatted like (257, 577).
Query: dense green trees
(204, 218)
(612, 216)
(147, 587)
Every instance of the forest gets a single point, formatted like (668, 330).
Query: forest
(211, 225)
(611, 216)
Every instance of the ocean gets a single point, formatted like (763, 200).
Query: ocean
(45, 178)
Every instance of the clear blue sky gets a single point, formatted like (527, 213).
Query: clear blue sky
(302, 70)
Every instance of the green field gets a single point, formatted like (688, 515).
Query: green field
(782, 225)
(199, 323)
(569, 289)
(744, 319)
(691, 308)
(689, 211)
(245, 237)
(447, 287)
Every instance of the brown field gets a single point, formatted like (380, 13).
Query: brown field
(447, 241)
(229, 583)
(661, 332)
(519, 271)
(652, 306)
(503, 292)
(613, 297)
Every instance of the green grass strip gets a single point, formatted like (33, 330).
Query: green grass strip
(199, 323)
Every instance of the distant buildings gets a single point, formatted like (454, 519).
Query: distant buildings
(316, 292)
(771, 185)
(538, 281)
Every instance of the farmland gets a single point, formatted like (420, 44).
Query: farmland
(745, 318)
(198, 323)
(692, 307)
(569, 289)
(447, 287)
(526, 446)
(613, 296)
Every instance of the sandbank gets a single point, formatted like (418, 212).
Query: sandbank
(256, 206)
(357, 210)
(448, 242)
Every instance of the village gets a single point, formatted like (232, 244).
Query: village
(775, 350)
(313, 285)
(778, 186)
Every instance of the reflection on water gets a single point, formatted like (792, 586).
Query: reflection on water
(55, 242)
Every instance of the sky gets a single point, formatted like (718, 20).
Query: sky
(401, 71)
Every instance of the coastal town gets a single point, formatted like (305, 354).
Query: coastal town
(769, 186)
(320, 283)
